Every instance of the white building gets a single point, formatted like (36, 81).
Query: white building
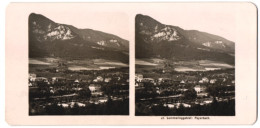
(94, 87)
(177, 105)
(202, 94)
(98, 79)
(43, 79)
(199, 88)
(182, 82)
(213, 81)
(58, 79)
(107, 80)
(151, 80)
(160, 80)
(32, 76)
(139, 77)
(205, 80)
(103, 100)
(30, 84)
(76, 81)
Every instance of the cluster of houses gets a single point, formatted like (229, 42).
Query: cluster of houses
(61, 83)
(139, 79)
(71, 104)
(98, 100)
(33, 79)
(199, 85)
(177, 105)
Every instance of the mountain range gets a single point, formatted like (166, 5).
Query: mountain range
(50, 39)
(154, 39)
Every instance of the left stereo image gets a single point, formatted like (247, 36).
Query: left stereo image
(78, 64)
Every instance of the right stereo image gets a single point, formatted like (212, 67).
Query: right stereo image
(181, 69)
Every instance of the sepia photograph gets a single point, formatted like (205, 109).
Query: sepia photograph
(169, 63)
(182, 72)
(78, 71)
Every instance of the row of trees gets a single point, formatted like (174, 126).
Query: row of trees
(109, 108)
(214, 109)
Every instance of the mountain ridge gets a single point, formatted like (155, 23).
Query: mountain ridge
(48, 38)
(155, 39)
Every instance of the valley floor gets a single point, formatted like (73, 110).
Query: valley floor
(165, 90)
(56, 89)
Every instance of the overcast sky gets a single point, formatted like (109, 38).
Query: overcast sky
(218, 20)
(112, 23)
(221, 25)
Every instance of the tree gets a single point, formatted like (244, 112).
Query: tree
(75, 109)
(181, 110)
(212, 90)
(54, 109)
(190, 94)
(85, 93)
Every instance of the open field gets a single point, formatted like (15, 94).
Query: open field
(182, 66)
(76, 65)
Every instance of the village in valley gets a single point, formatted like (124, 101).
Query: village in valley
(182, 72)
(165, 91)
(76, 71)
(58, 90)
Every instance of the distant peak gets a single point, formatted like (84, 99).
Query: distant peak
(39, 17)
(35, 15)
(144, 17)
